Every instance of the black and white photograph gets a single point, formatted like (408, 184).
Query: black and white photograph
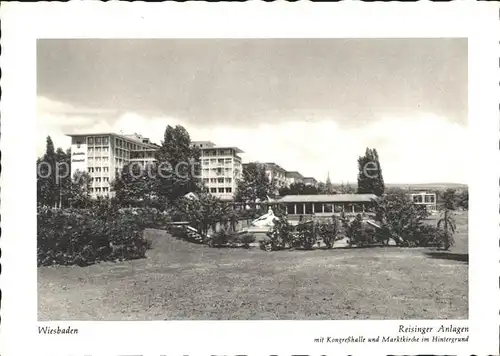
(249, 179)
(252, 179)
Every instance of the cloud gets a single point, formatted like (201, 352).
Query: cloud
(420, 148)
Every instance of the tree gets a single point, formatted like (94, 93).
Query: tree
(346, 189)
(299, 188)
(463, 199)
(448, 226)
(254, 185)
(177, 166)
(450, 199)
(370, 179)
(63, 177)
(203, 213)
(400, 218)
(47, 194)
(53, 176)
(135, 186)
(79, 195)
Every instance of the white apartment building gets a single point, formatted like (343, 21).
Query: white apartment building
(293, 177)
(427, 199)
(221, 169)
(102, 155)
(274, 173)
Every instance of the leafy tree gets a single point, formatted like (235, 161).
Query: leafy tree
(178, 165)
(134, 186)
(299, 188)
(203, 213)
(400, 219)
(254, 185)
(463, 199)
(450, 199)
(345, 189)
(53, 176)
(79, 194)
(370, 179)
(448, 226)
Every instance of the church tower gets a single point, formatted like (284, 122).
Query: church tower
(329, 188)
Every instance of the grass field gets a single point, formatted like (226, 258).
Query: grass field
(179, 280)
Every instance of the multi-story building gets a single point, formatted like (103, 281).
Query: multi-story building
(103, 155)
(276, 174)
(221, 168)
(310, 181)
(293, 177)
(427, 199)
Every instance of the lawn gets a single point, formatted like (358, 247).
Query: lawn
(179, 280)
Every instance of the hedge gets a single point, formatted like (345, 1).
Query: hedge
(83, 237)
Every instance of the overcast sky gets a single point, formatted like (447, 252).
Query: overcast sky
(311, 105)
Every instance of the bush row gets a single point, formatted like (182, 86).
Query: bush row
(222, 238)
(326, 232)
(86, 236)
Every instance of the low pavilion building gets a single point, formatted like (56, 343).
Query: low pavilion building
(327, 204)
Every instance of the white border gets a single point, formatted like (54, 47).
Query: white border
(23, 23)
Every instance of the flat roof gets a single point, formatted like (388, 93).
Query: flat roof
(328, 198)
(275, 165)
(295, 173)
(236, 149)
(123, 137)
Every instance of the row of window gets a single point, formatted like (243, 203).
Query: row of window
(310, 208)
(98, 169)
(97, 140)
(99, 179)
(98, 160)
(424, 198)
(128, 145)
(218, 180)
(220, 161)
(142, 154)
(98, 150)
(213, 153)
(122, 153)
(221, 190)
(99, 190)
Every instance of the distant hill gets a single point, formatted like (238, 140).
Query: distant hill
(429, 186)
(423, 186)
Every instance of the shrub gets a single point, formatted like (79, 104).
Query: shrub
(427, 235)
(179, 232)
(265, 245)
(148, 218)
(222, 238)
(400, 217)
(327, 231)
(305, 236)
(82, 237)
(353, 230)
(279, 236)
(247, 239)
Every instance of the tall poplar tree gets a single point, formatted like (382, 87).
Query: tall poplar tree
(370, 178)
(178, 165)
